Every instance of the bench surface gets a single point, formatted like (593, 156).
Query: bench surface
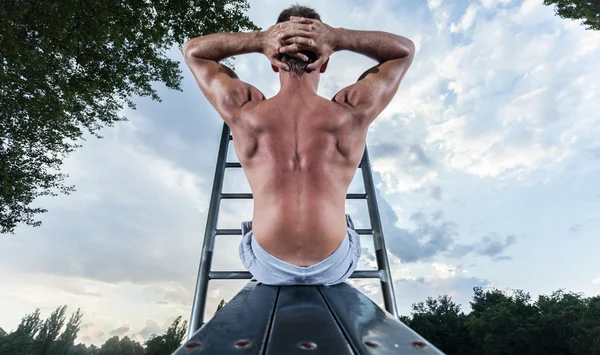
(270, 320)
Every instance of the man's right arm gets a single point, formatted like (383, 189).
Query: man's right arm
(377, 86)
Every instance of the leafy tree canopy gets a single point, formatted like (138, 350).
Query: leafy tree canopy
(588, 11)
(69, 66)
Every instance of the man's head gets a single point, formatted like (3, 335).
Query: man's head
(298, 66)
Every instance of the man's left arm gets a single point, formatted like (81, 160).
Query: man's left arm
(221, 86)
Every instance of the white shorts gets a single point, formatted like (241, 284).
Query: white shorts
(270, 270)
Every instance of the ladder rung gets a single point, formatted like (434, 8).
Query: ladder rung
(361, 231)
(239, 231)
(245, 275)
(229, 275)
(365, 274)
(229, 232)
(248, 196)
(244, 196)
(239, 165)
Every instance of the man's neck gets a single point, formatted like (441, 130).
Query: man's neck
(306, 83)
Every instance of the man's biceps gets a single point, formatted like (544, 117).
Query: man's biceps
(227, 71)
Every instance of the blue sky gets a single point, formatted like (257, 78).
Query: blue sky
(487, 165)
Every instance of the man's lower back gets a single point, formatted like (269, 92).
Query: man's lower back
(270, 270)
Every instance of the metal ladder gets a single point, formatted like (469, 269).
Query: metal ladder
(205, 274)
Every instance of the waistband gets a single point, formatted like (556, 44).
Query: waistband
(341, 253)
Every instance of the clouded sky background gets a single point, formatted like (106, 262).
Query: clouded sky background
(487, 165)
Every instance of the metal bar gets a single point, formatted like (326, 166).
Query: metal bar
(245, 275)
(237, 196)
(359, 231)
(239, 165)
(366, 274)
(239, 231)
(199, 303)
(387, 284)
(229, 275)
(248, 196)
(229, 232)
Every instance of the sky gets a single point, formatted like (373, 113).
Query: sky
(486, 164)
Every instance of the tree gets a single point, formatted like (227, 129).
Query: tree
(21, 341)
(443, 322)
(69, 66)
(502, 324)
(168, 342)
(3, 338)
(111, 347)
(587, 338)
(82, 349)
(586, 10)
(50, 330)
(68, 336)
(220, 306)
(125, 346)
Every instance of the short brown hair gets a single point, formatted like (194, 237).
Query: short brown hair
(298, 66)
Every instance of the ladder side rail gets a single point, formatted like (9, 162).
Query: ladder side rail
(199, 303)
(387, 287)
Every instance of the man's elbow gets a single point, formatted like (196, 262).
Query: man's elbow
(408, 47)
(191, 49)
(187, 48)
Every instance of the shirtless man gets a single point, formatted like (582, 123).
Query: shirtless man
(298, 150)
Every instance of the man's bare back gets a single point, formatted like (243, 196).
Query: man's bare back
(299, 154)
(299, 151)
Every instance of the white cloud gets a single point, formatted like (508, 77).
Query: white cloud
(502, 104)
(395, 181)
(490, 4)
(596, 280)
(466, 21)
(434, 3)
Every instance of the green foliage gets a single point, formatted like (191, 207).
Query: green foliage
(82, 349)
(21, 341)
(50, 330)
(30, 324)
(570, 323)
(168, 342)
(511, 324)
(69, 66)
(444, 322)
(36, 336)
(563, 323)
(220, 306)
(503, 324)
(52, 336)
(125, 346)
(588, 11)
(68, 336)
